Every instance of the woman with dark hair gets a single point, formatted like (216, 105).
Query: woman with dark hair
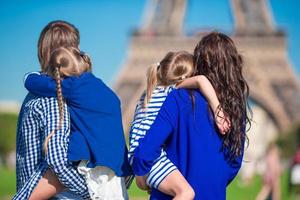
(185, 126)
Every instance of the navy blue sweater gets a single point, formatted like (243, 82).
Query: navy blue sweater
(192, 143)
(96, 121)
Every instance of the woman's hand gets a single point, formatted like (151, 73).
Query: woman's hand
(141, 182)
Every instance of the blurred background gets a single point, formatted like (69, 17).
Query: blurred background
(124, 37)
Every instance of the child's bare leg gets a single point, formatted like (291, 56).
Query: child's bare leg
(47, 187)
(263, 193)
(175, 185)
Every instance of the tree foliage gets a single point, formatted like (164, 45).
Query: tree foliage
(289, 141)
(8, 124)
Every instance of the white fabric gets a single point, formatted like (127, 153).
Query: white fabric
(102, 183)
(295, 175)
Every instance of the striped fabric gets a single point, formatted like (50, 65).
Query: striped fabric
(143, 119)
(38, 117)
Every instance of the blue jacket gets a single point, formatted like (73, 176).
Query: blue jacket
(192, 143)
(96, 122)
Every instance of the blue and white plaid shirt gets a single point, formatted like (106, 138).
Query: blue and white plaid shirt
(39, 116)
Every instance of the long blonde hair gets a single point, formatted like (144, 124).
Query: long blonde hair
(172, 69)
(65, 61)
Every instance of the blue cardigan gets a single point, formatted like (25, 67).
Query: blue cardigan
(96, 123)
(192, 143)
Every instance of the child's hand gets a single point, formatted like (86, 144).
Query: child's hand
(222, 121)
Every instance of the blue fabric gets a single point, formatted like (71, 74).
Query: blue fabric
(96, 121)
(192, 143)
(66, 195)
(37, 119)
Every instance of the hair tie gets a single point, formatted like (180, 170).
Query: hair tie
(158, 65)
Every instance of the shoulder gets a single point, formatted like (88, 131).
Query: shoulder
(88, 79)
(39, 105)
(33, 106)
(97, 88)
(85, 83)
(184, 96)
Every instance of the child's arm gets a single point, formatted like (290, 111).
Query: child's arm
(47, 187)
(44, 85)
(40, 84)
(204, 85)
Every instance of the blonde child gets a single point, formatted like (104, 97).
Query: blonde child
(97, 141)
(173, 71)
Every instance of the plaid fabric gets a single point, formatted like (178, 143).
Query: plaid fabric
(38, 118)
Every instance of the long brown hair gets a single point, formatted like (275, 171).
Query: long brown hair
(65, 62)
(56, 34)
(217, 58)
(172, 69)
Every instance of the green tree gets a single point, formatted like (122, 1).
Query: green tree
(289, 141)
(8, 124)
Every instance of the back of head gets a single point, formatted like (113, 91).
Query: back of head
(69, 61)
(56, 34)
(217, 58)
(172, 69)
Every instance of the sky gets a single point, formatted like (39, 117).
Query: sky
(105, 28)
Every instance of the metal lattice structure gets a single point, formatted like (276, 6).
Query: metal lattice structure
(273, 84)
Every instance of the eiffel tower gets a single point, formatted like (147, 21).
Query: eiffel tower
(273, 84)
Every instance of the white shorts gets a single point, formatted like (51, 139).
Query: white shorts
(102, 183)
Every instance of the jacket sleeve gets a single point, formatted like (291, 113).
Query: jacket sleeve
(28, 187)
(44, 85)
(150, 146)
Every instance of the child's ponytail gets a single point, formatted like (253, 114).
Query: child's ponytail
(151, 82)
(87, 61)
(174, 67)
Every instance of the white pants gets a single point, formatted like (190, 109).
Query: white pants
(102, 183)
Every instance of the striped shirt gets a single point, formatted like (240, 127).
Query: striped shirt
(143, 119)
(38, 118)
